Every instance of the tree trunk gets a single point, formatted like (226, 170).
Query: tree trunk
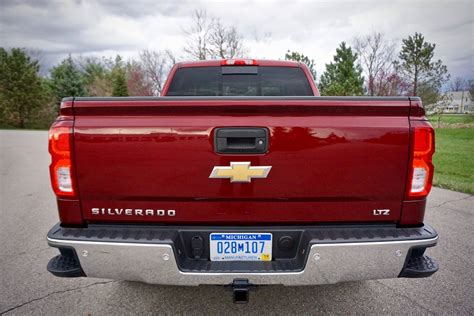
(371, 85)
(415, 82)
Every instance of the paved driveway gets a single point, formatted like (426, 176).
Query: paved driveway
(28, 211)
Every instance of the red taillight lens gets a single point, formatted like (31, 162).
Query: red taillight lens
(61, 166)
(239, 62)
(423, 141)
(421, 169)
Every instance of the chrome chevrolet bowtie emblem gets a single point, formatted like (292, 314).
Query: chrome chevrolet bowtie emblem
(240, 172)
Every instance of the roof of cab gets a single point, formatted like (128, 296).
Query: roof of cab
(217, 62)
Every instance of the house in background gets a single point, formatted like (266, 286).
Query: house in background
(455, 102)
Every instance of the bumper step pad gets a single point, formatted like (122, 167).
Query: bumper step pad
(65, 266)
(419, 267)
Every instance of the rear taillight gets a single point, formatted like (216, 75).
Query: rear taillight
(421, 169)
(239, 62)
(61, 165)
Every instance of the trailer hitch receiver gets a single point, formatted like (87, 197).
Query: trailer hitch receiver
(240, 291)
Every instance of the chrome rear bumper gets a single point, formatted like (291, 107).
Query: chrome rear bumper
(326, 263)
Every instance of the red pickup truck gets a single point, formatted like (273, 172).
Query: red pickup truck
(241, 175)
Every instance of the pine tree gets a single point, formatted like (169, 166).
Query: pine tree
(119, 84)
(344, 76)
(67, 80)
(119, 79)
(415, 66)
(22, 90)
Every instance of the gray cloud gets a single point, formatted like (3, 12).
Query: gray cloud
(468, 23)
(108, 27)
(142, 8)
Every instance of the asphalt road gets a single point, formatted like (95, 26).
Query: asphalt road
(28, 210)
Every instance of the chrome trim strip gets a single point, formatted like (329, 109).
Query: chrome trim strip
(327, 263)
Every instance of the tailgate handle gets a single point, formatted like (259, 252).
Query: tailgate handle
(239, 140)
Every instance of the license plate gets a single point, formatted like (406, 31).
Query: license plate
(241, 246)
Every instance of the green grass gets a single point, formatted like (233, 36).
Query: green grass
(452, 120)
(454, 159)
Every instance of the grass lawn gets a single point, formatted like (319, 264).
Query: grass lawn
(454, 158)
(452, 120)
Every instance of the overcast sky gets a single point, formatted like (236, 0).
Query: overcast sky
(270, 28)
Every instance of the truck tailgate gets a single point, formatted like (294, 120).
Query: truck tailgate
(332, 159)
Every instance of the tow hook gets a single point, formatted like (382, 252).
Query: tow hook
(240, 291)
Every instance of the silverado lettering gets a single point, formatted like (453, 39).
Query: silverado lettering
(260, 167)
(132, 212)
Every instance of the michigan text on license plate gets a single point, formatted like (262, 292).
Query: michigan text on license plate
(241, 246)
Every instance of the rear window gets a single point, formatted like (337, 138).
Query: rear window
(240, 81)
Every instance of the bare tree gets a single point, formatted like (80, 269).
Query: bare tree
(156, 66)
(138, 83)
(198, 36)
(209, 38)
(170, 56)
(218, 40)
(234, 43)
(458, 84)
(225, 42)
(264, 37)
(376, 56)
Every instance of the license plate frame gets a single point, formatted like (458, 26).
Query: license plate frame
(240, 246)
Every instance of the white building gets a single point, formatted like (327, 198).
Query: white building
(455, 102)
